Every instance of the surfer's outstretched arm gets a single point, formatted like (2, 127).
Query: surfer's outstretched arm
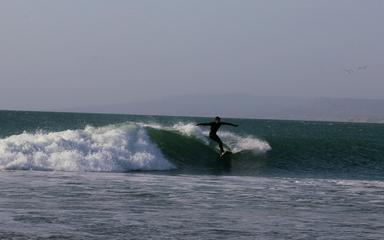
(204, 124)
(229, 124)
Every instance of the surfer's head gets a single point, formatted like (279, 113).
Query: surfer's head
(217, 119)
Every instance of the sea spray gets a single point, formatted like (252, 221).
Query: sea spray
(116, 148)
(234, 141)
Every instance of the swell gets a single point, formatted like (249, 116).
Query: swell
(184, 148)
(326, 156)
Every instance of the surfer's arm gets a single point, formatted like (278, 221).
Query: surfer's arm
(203, 124)
(229, 124)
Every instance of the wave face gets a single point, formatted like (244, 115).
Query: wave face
(111, 148)
(191, 151)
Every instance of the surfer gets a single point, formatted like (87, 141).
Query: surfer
(215, 125)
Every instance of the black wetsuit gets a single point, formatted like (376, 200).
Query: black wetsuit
(213, 132)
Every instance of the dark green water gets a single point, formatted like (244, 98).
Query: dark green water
(41, 141)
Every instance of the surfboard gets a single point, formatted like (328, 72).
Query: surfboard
(225, 155)
(225, 160)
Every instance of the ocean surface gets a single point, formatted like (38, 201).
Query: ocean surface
(100, 176)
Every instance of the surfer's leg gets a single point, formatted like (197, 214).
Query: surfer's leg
(218, 140)
(221, 145)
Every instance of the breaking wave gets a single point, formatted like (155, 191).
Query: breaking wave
(118, 148)
(109, 148)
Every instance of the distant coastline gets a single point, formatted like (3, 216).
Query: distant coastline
(255, 107)
(245, 106)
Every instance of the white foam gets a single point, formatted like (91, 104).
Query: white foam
(236, 142)
(111, 148)
(190, 129)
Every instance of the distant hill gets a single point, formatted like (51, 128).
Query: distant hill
(246, 106)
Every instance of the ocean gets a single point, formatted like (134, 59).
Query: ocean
(105, 176)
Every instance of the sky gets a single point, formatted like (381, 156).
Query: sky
(74, 53)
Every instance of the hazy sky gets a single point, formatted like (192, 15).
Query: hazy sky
(60, 54)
